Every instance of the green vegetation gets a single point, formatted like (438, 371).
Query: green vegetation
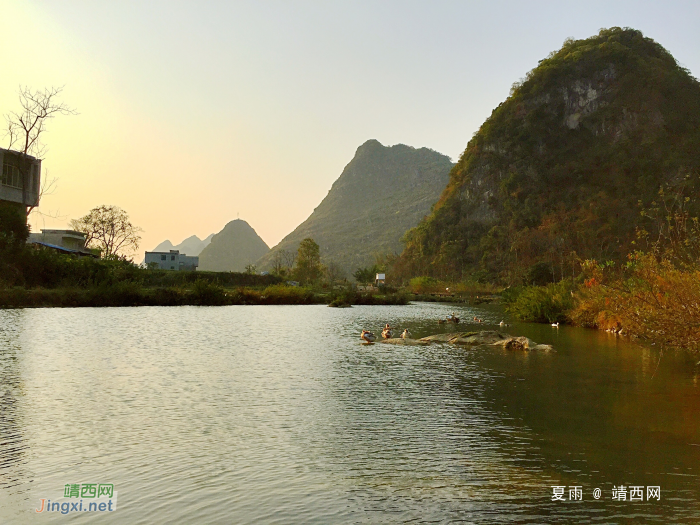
(555, 175)
(32, 277)
(13, 232)
(540, 304)
(367, 275)
(308, 267)
(466, 291)
(653, 296)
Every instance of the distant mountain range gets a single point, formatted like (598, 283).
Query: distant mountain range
(382, 192)
(233, 248)
(190, 246)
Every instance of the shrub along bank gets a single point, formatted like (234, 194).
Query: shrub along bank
(36, 278)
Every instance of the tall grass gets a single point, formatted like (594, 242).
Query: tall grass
(540, 304)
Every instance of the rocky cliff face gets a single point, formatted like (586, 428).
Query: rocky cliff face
(232, 249)
(558, 169)
(381, 193)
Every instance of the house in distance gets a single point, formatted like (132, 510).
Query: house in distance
(171, 260)
(65, 241)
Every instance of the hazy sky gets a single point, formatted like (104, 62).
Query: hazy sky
(193, 112)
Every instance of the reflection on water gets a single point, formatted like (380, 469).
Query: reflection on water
(12, 443)
(278, 415)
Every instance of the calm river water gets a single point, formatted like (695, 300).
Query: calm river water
(277, 414)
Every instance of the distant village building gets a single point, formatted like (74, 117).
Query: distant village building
(20, 182)
(172, 260)
(66, 241)
(380, 279)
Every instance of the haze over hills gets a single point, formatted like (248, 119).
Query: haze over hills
(233, 248)
(191, 246)
(380, 194)
(555, 174)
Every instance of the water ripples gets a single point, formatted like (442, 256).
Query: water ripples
(278, 415)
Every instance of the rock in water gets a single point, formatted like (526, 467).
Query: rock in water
(484, 338)
(487, 337)
(406, 342)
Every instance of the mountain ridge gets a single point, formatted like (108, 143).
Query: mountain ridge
(556, 173)
(233, 248)
(381, 192)
(192, 245)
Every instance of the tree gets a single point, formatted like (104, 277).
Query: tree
(366, 275)
(109, 229)
(250, 269)
(334, 272)
(13, 228)
(26, 126)
(308, 266)
(278, 266)
(289, 258)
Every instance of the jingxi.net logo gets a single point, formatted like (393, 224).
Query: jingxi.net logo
(85, 497)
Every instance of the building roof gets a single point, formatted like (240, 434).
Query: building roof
(63, 249)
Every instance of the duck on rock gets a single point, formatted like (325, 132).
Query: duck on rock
(387, 332)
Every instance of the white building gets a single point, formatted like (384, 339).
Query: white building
(68, 241)
(20, 179)
(172, 260)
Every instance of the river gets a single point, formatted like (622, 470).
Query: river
(277, 414)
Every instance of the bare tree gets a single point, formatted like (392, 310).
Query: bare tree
(109, 229)
(334, 272)
(277, 263)
(289, 258)
(26, 126)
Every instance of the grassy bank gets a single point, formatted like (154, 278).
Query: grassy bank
(41, 278)
(541, 304)
(202, 293)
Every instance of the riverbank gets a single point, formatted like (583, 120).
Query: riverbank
(40, 278)
(470, 300)
(648, 299)
(201, 293)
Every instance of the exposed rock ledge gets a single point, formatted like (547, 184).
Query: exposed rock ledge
(486, 337)
(408, 342)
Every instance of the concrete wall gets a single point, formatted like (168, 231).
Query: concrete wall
(65, 238)
(30, 178)
(172, 260)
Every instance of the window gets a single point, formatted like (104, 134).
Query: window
(172, 257)
(163, 257)
(11, 176)
(172, 267)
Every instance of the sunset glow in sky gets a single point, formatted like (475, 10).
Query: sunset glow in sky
(191, 113)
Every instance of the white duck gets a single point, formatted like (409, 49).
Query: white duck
(555, 325)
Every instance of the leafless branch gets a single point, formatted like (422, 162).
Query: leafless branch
(26, 126)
